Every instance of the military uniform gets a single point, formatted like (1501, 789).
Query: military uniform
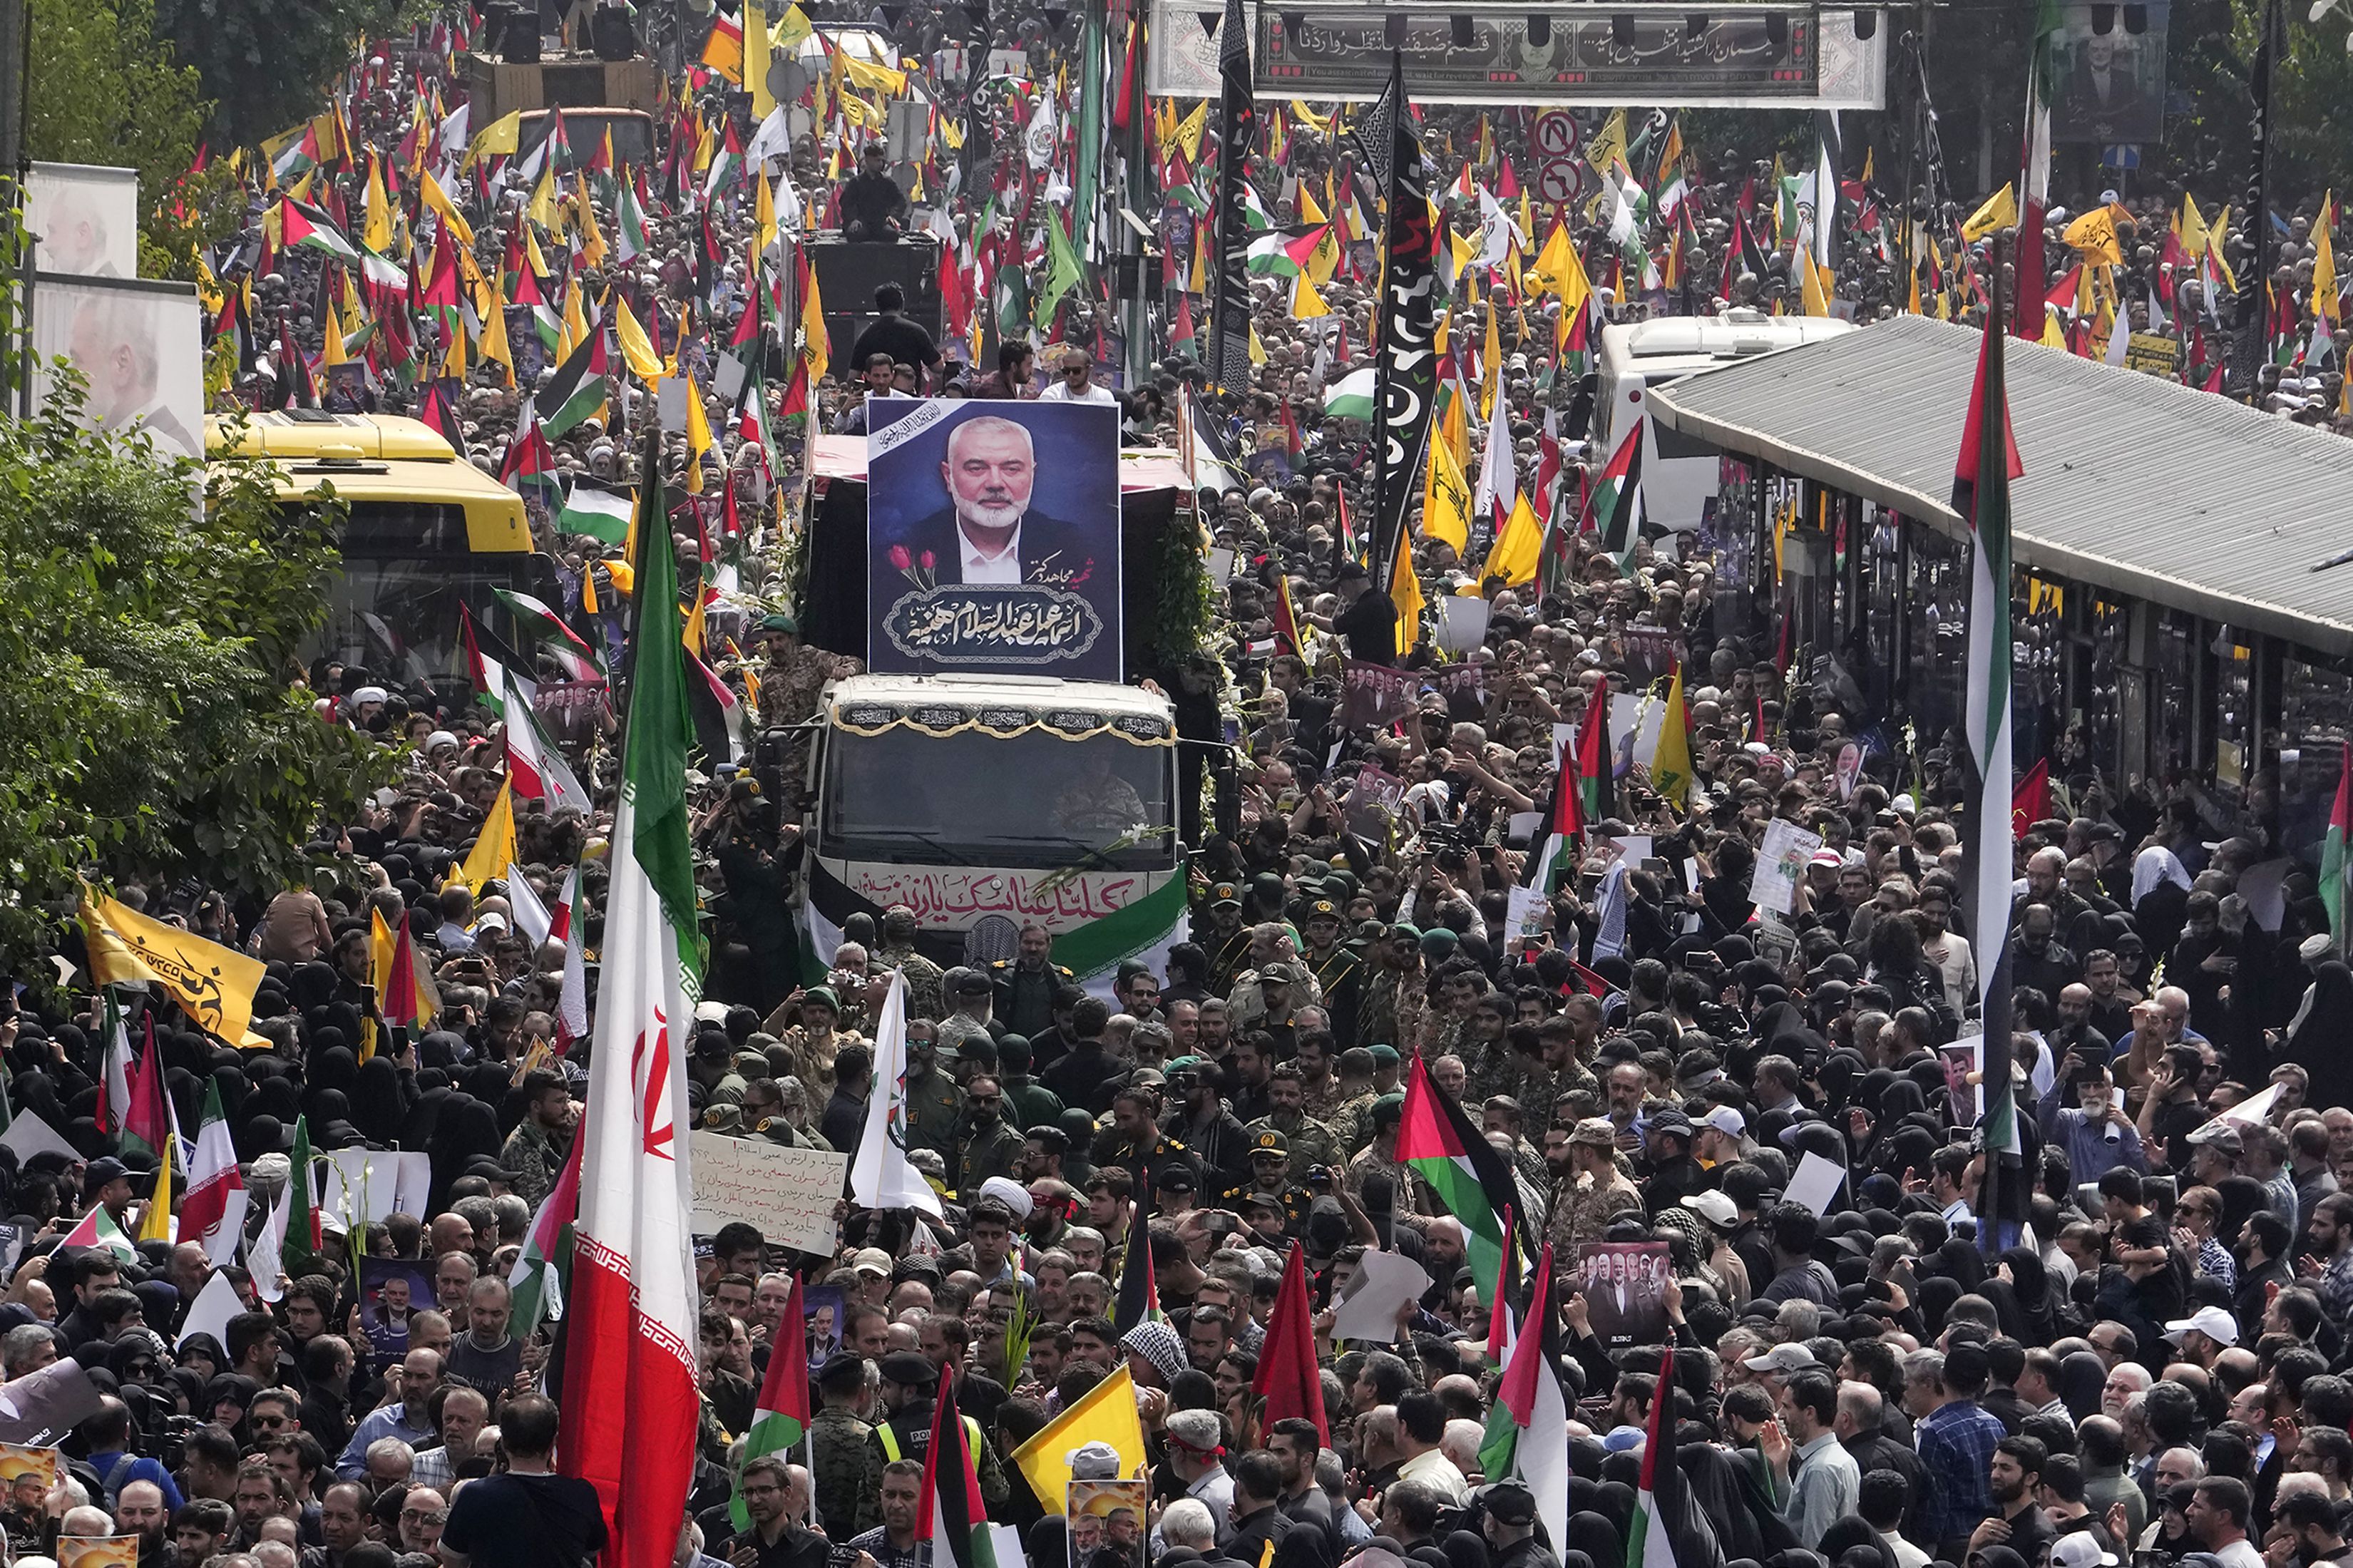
(1112, 1149)
(934, 1113)
(926, 997)
(778, 1130)
(1406, 1205)
(1321, 1102)
(838, 1445)
(987, 1154)
(533, 1160)
(1394, 1008)
(1029, 1103)
(1292, 1199)
(1490, 1070)
(1351, 1121)
(788, 691)
(1339, 975)
(1310, 1142)
(908, 1436)
(1584, 1211)
(1023, 998)
(1229, 952)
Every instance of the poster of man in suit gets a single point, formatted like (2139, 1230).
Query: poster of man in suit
(139, 348)
(993, 538)
(2111, 87)
(1624, 1284)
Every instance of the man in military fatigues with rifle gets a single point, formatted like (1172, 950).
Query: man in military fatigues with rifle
(1227, 940)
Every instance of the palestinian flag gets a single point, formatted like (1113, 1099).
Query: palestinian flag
(1614, 509)
(1139, 1293)
(98, 1229)
(382, 271)
(146, 1125)
(722, 729)
(1351, 397)
(951, 1514)
(580, 661)
(306, 1239)
(529, 469)
(307, 228)
(580, 388)
(781, 1419)
(1445, 1148)
(2332, 859)
(636, 234)
(540, 1269)
(1596, 781)
(438, 412)
(1528, 1431)
(1648, 1544)
(1270, 256)
(598, 513)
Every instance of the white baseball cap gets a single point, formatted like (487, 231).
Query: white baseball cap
(1726, 1120)
(2212, 1322)
(2077, 1548)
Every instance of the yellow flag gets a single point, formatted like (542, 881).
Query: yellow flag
(2095, 235)
(1671, 768)
(2217, 248)
(1999, 210)
(494, 847)
(1491, 364)
(1455, 426)
(1307, 304)
(575, 329)
(2324, 264)
(1810, 285)
(429, 190)
(1609, 144)
(376, 232)
(2191, 226)
(1106, 1415)
(155, 1224)
(1189, 132)
(453, 363)
(1445, 500)
(756, 59)
(493, 344)
(1514, 555)
(636, 347)
(2052, 338)
(1405, 592)
(212, 983)
(873, 78)
(544, 211)
(502, 135)
(335, 332)
(816, 346)
(790, 31)
(698, 437)
(592, 236)
(1309, 210)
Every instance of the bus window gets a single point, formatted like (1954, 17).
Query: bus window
(907, 797)
(400, 617)
(384, 529)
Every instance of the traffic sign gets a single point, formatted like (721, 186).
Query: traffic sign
(1555, 135)
(1558, 179)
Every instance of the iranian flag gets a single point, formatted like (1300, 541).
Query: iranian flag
(951, 1514)
(2333, 860)
(1647, 1542)
(212, 1212)
(630, 1403)
(115, 1070)
(1445, 1148)
(537, 1277)
(98, 1229)
(781, 1420)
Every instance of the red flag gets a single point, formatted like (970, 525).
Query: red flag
(1287, 1374)
(1499, 1314)
(2030, 803)
(147, 1122)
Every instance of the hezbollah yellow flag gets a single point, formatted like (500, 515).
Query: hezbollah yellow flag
(2323, 264)
(1310, 211)
(1491, 363)
(790, 31)
(212, 983)
(872, 77)
(1514, 555)
(494, 847)
(636, 347)
(2052, 338)
(1445, 500)
(2095, 235)
(1307, 304)
(592, 237)
(492, 345)
(2217, 245)
(1405, 592)
(1999, 210)
(502, 135)
(155, 1224)
(335, 334)
(546, 210)
(377, 233)
(1189, 132)
(429, 190)
(1671, 768)
(698, 437)
(2190, 226)
(756, 59)
(816, 346)
(575, 323)
(1810, 286)
(1609, 144)
(1106, 1415)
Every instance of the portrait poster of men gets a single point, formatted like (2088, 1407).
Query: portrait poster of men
(825, 1306)
(993, 537)
(1107, 1523)
(137, 345)
(84, 219)
(2111, 86)
(393, 1291)
(1624, 1284)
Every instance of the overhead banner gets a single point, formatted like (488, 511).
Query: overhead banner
(2111, 86)
(138, 345)
(84, 219)
(993, 539)
(1542, 55)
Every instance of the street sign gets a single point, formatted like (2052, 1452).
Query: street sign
(1558, 179)
(1558, 176)
(1555, 135)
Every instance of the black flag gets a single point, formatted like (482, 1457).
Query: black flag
(2254, 323)
(1229, 322)
(1406, 373)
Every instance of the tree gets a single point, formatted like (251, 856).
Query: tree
(106, 90)
(267, 64)
(154, 731)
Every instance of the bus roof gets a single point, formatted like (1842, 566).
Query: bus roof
(1714, 340)
(310, 433)
(976, 690)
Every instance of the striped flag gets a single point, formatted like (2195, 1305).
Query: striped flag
(2332, 859)
(1438, 1142)
(213, 1211)
(540, 1268)
(782, 1416)
(951, 1514)
(1988, 462)
(1614, 508)
(1648, 1544)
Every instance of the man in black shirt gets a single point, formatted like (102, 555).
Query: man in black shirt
(872, 204)
(905, 341)
(528, 1517)
(1369, 621)
(775, 1537)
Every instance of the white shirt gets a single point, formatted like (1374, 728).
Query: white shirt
(1002, 567)
(1435, 1468)
(1060, 392)
(2241, 1553)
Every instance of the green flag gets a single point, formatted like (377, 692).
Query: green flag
(1062, 272)
(661, 724)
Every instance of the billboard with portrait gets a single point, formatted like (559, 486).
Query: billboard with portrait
(1107, 1523)
(84, 219)
(1625, 1285)
(137, 343)
(993, 538)
(2111, 85)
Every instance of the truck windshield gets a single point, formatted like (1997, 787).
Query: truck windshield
(1034, 801)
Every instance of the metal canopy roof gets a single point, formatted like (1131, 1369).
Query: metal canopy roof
(2132, 483)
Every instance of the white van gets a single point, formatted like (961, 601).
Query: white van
(1679, 472)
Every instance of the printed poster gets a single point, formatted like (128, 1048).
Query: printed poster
(1624, 1284)
(1107, 1523)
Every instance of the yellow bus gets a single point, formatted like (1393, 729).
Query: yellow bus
(426, 532)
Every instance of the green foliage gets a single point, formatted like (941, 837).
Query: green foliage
(268, 64)
(143, 685)
(1183, 599)
(106, 90)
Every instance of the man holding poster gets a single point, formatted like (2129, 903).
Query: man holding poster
(995, 539)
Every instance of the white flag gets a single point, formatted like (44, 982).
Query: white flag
(882, 1178)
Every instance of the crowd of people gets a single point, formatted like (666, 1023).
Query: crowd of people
(2121, 1341)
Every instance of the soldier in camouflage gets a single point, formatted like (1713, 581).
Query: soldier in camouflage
(1310, 1142)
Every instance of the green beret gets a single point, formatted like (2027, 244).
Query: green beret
(784, 624)
(824, 995)
(1386, 1056)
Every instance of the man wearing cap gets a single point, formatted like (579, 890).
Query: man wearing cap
(1594, 1193)
(1675, 1173)
(1224, 936)
(897, 950)
(1396, 1003)
(1508, 1520)
(910, 1386)
(791, 676)
(1353, 1094)
(1023, 987)
(1722, 1137)
(1269, 1180)
(1310, 1141)
(1265, 998)
(838, 1441)
(812, 1043)
(1196, 1458)
(1379, 1158)
(1338, 973)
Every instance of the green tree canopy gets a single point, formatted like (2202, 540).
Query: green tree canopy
(145, 656)
(267, 64)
